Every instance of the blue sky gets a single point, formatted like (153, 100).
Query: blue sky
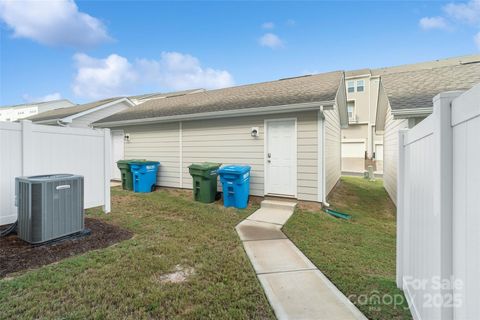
(86, 50)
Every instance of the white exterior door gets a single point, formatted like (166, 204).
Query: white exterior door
(281, 157)
(379, 152)
(117, 152)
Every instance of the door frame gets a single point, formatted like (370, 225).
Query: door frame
(295, 151)
(122, 131)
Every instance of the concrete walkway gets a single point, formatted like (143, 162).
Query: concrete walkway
(295, 288)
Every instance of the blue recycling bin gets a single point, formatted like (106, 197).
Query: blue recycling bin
(235, 184)
(144, 175)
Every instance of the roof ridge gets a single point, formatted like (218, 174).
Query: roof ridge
(273, 81)
(427, 68)
(428, 65)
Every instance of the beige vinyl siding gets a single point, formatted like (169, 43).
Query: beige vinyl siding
(159, 142)
(226, 141)
(229, 141)
(307, 156)
(333, 162)
(390, 153)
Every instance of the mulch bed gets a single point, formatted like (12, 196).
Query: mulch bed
(17, 255)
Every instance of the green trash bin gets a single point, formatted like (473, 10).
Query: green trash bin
(124, 166)
(204, 181)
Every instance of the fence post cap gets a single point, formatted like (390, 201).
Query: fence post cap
(447, 95)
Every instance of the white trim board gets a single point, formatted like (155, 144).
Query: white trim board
(320, 157)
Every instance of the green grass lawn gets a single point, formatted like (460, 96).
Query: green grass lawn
(358, 256)
(125, 281)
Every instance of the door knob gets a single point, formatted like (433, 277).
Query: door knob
(269, 155)
(269, 160)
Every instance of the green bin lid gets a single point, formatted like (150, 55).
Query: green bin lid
(205, 166)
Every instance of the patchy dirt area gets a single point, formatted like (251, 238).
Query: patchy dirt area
(181, 274)
(17, 255)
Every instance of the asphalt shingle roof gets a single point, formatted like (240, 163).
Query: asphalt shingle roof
(313, 88)
(416, 88)
(164, 94)
(66, 112)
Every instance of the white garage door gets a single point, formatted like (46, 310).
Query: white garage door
(379, 152)
(353, 149)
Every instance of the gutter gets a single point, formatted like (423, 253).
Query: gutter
(297, 107)
(48, 121)
(411, 112)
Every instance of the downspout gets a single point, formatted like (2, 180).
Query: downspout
(322, 156)
(62, 124)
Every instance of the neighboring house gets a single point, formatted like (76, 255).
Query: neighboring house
(86, 114)
(360, 143)
(287, 130)
(405, 99)
(21, 111)
(83, 115)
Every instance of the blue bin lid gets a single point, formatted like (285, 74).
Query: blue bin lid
(144, 163)
(234, 168)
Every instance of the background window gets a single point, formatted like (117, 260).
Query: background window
(351, 110)
(360, 86)
(351, 86)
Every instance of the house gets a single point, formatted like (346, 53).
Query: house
(21, 111)
(287, 130)
(361, 146)
(405, 99)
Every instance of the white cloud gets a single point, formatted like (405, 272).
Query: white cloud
(55, 22)
(101, 78)
(180, 71)
(271, 40)
(464, 12)
(116, 76)
(429, 23)
(47, 97)
(268, 25)
(456, 13)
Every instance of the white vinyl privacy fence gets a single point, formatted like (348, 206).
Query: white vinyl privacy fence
(29, 149)
(438, 215)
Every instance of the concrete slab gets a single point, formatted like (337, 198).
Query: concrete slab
(253, 230)
(279, 204)
(295, 288)
(276, 256)
(306, 295)
(271, 215)
(115, 183)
